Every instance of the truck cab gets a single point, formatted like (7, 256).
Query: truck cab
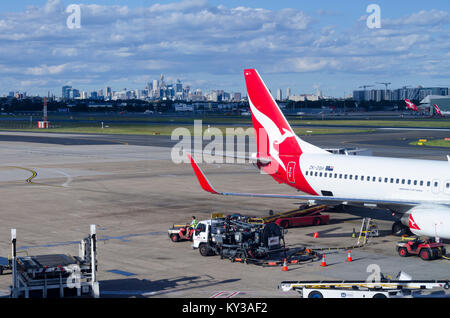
(203, 239)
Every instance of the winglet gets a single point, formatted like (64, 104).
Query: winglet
(204, 183)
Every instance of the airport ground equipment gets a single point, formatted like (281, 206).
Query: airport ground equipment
(427, 250)
(259, 244)
(6, 267)
(181, 233)
(404, 286)
(368, 229)
(37, 275)
(303, 216)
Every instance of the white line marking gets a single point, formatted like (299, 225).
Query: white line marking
(69, 178)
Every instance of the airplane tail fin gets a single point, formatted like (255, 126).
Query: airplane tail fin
(274, 135)
(410, 105)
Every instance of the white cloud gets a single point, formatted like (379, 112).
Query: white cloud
(195, 37)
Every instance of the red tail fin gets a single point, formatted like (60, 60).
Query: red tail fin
(274, 135)
(410, 105)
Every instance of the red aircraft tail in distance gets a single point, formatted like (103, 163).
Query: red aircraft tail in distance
(437, 110)
(410, 105)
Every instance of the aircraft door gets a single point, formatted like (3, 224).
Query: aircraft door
(291, 171)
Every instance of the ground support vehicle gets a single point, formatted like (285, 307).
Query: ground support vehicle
(260, 244)
(37, 276)
(181, 233)
(426, 249)
(303, 216)
(385, 288)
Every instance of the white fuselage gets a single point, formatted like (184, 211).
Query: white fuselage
(377, 178)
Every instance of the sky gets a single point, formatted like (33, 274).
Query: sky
(303, 45)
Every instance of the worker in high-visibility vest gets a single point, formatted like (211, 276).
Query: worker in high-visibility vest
(194, 222)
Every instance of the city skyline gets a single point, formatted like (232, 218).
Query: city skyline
(207, 44)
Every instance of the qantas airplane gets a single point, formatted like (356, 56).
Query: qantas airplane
(437, 110)
(410, 105)
(417, 190)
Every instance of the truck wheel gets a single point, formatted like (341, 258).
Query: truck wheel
(284, 224)
(379, 296)
(174, 237)
(317, 221)
(1, 270)
(425, 254)
(403, 252)
(315, 294)
(204, 250)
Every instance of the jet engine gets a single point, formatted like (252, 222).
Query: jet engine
(428, 220)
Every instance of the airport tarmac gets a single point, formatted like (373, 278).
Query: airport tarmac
(129, 187)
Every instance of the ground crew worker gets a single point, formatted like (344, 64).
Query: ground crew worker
(194, 222)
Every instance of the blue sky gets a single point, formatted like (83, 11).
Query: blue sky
(303, 45)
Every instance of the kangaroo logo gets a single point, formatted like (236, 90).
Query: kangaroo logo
(412, 224)
(273, 132)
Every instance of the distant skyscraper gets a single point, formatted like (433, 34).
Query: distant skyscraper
(74, 93)
(108, 92)
(279, 94)
(155, 85)
(178, 87)
(288, 92)
(66, 92)
(237, 97)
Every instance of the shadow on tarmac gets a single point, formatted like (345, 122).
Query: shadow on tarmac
(135, 287)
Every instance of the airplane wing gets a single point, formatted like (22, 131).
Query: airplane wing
(253, 158)
(397, 205)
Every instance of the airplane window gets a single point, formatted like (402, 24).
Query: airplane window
(368, 178)
(335, 175)
(340, 176)
(326, 175)
(447, 185)
(345, 176)
(374, 179)
(403, 181)
(415, 182)
(380, 179)
(397, 181)
(315, 174)
(421, 183)
(306, 173)
(435, 184)
(331, 175)
(320, 174)
(409, 181)
(362, 178)
(428, 183)
(356, 177)
(350, 177)
(385, 180)
(392, 180)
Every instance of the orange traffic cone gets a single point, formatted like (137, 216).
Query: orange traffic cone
(315, 235)
(324, 263)
(285, 268)
(349, 256)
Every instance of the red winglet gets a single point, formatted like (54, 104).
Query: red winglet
(204, 183)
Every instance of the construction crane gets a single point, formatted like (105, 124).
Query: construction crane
(365, 86)
(385, 84)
